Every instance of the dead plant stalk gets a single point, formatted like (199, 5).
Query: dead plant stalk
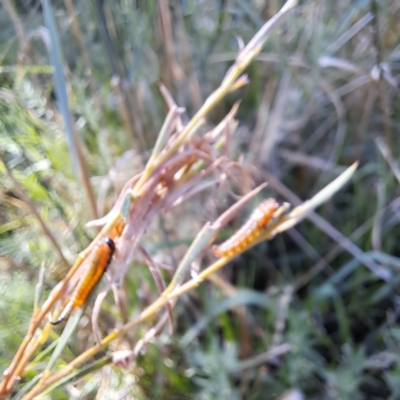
(30, 344)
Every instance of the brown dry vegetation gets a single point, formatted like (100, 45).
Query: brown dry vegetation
(166, 117)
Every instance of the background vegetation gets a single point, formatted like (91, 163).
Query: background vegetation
(323, 93)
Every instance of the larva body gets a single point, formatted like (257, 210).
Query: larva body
(249, 231)
(101, 258)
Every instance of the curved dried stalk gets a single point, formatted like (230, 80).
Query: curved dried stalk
(152, 186)
(283, 221)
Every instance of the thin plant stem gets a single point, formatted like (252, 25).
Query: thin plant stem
(33, 210)
(172, 293)
(243, 60)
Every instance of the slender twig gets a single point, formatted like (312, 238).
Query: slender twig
(176, 292)
(140, 196)
(33, 210)
(384, 103)
(243, 60)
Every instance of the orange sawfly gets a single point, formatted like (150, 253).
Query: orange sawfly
(249, 231)
(101, 258)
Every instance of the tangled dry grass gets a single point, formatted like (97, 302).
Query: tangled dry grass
(190, 158)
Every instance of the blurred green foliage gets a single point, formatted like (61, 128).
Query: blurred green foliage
(312, 106)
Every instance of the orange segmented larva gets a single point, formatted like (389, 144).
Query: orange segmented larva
(249, 231)
(102, 254)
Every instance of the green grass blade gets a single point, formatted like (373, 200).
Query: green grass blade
(59, 80)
